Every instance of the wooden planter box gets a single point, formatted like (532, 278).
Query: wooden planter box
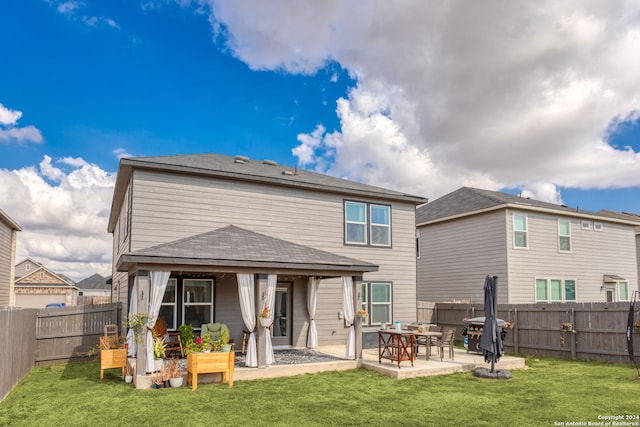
(110, 359)
(209, 363)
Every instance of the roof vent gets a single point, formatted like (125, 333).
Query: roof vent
(241, 159)
(289, 173)
(269, 162)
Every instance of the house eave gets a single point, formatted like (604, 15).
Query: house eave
(129, 262)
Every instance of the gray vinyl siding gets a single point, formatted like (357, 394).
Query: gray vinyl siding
(456, 255)
(166, 207)
(6, 262)
(593, 254)
(121, 243)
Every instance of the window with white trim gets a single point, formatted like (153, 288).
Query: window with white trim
(169, 306)
(197, 302)
(585, 225)
(564, 235)
(376, 300)
(623, 291)
(520, 231)
(367, 224)
(597, 226)
(555, 290)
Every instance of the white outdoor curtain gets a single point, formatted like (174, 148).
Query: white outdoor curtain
(349, 315)
(270, 298)
(133, 309)
(157, 285)
(312, 297)
(248, 308)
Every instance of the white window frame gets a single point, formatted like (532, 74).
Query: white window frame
(619, 285)
(525, 231)
(367, 304)
(368, 224)
(363, 224)
(597, 226)
(381, 225)
(548, 289)
(173, 304)
(585, 225)
(565, 236)
(186, 304)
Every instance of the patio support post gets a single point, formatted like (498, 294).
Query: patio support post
(142, 279)
(261, 292)
(357, 303)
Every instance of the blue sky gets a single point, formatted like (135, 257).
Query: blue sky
(535, 98)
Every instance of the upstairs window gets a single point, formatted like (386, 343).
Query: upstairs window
(564, 235)
(367, 224)
(520, 231)
(355, 223)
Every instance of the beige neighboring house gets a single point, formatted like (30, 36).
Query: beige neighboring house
(8, 232)
(541, 252)
(206, 218)
(36, 286)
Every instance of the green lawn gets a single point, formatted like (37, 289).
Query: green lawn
(549, 391)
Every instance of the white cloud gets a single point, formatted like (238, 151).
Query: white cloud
(506, 94)
(71, 8)
(62, 207)
(122, 153)
(10, 132)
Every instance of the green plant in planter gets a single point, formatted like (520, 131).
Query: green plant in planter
(159, 347)
(186, 333)
(137, 322)
(224, 336)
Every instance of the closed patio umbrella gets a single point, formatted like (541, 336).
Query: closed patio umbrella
(630, 333)
(491, 341)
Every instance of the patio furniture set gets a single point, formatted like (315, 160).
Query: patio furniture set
(399, 345)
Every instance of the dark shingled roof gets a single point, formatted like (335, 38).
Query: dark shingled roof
(237, 247)
(466, 201)
(94, 282)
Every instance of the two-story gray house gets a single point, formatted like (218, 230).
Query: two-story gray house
(541, 252)
(234, 235)
(8, 232)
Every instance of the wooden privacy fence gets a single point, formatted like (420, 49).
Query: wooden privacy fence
(17, 341)
(599, 329)
(67, 334)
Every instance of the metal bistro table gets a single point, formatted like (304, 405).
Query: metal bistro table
(395, 345)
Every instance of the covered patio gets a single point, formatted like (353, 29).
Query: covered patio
(238, 273)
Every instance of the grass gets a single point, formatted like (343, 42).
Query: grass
(549, 391)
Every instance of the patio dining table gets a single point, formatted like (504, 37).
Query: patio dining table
(427, 335)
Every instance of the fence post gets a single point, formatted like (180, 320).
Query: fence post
(573, 335)
(516, 349)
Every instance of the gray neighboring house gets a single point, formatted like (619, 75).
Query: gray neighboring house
(8, 233)
(541, 252)
(94, 289)
(207, 217)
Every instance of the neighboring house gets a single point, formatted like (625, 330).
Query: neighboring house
(541, 252)
(206, 218)
(95, 289)
(8, 231)
(630, 217)
(36, 286)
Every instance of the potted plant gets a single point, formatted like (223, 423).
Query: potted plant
(112, 353)
(175, 373)
(224, 340)
(158, 351)
(186, 333)
(363, 315)
(137, 322)
(265, 317)
(567, 327)
(128, 374)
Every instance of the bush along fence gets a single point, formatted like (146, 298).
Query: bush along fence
(587, 331)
